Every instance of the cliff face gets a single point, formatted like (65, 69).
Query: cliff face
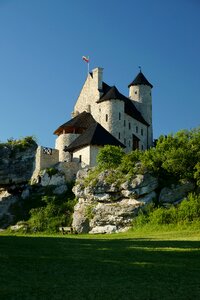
(105, 207)
(17, 163)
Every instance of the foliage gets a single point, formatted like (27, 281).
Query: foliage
(109, 157)
(187, 211)
(173, 159)
(91, 178)
(175, 156)
(131, 163)
(89, 213)
(19, 145)
(56, 211)
(51, 171)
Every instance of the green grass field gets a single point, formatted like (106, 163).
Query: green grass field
(140, 265)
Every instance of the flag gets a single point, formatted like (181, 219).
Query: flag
(85, 58)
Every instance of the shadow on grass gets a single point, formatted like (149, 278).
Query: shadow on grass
(67, 268)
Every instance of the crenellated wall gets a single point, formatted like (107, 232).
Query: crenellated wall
(45, 158)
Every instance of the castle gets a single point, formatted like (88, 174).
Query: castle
(101, 116)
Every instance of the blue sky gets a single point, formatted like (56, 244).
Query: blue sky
(41, 69)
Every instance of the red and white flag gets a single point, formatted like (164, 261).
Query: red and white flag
(86, 58)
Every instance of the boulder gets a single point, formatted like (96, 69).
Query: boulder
(103, 229)
(175, 193)
(56, 179)
(60, 189)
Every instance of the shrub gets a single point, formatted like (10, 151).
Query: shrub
(187, 211)
(109, 157)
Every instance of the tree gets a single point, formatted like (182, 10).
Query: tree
(110, 157)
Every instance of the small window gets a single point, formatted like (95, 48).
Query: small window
(106, 118)
(119, 135)
(129, 125)
(80, 158)
(141, 131)
(124, 123)
(136, 129)
(119, 116)
(129, 143)
(135, 92)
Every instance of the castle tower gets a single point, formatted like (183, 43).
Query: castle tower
(140, 94)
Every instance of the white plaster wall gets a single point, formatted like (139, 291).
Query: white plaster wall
(85, 156)
(94, 150)
(88, 156)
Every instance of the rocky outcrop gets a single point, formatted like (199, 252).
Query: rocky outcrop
(175, 193)
(16, 195)
(16, 163)
(110, 207)
(6, 200)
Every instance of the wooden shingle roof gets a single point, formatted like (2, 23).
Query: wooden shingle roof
(77, 124)
(94, 135)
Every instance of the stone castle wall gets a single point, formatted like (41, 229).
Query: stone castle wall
(111, 115)
(142, 99)
(63, 140)
(46, 158)
(90, 92)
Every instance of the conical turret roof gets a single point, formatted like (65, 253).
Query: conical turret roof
(140, 79)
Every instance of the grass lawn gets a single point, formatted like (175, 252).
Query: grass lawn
(140, 265)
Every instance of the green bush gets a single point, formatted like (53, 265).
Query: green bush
(109, 157)
(187, 211)
(54, 211)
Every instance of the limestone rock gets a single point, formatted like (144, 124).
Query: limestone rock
(60, 189)
(175, 193)
(25, 193)
(80, 222)
(16, 163)
(103, 229)
(6, 200)
(140, 185)
(56, 179)
(111, 204)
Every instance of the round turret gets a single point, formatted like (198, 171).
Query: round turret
(140, 94)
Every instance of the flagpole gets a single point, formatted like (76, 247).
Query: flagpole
(88, 64)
